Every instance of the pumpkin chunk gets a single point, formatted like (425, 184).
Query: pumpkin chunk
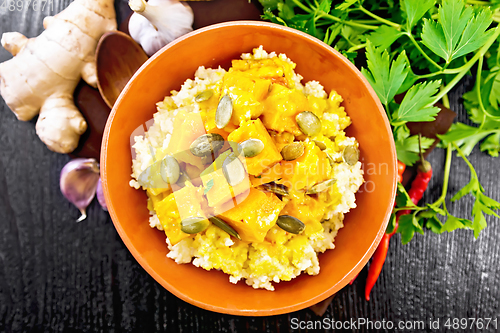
(307, 209)
(219, 192)
(183, 203)
(269, 175)
(246, 93)
(281, 107)
(268, 157)
(307, 170)
(187, 127)
(253, 217)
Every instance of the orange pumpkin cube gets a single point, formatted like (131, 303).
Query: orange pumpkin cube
(268, 157)
(168, 214)
(254, 216)
(219, 193)
(309, 169)
(307, 209)
(281, 107)
(246, 93)
(187, 127)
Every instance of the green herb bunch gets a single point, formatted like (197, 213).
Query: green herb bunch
(422, 48)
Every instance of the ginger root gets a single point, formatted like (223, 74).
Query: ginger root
(45, 70)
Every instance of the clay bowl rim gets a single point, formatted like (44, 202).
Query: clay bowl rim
(335, 287)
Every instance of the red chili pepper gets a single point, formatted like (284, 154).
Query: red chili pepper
(401, 170)
(418, 187)
(378, 261)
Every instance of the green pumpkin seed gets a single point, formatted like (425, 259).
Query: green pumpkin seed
(250, 147)
(308, 123)
(321, 145)
(207, 144)
(233, 170)
(224, 111)
(204, 96)
(321, 187)
(224, 226)
(169, 169)
(194, 225)
(292, 151)
(330, 159)
(275, 188)
(290, 224)
(350, 155)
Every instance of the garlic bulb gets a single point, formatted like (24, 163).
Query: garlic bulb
(158, 22)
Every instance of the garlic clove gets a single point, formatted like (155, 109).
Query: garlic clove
(78, 183)
(100, 195)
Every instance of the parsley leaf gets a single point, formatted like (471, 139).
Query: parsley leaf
(482, 203)
(384, 36)
(492, 145)
(408, 151)
(414, 10)
(385, 80)
(453, 223)
(414, 106)
(475, 34)
(402, 197)
(432, 222)
(458, 30)
(391, 225)
(408, 225)
(465, 136)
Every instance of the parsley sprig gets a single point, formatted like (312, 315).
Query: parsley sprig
(422, 48)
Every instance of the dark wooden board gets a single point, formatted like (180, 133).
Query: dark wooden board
(59, 276)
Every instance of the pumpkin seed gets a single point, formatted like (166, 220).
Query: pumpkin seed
(224, 226)
(330, 159)
(321, 145)
(169, 169)
(350, 155)
(204, 96)
(233, 170)
(321, 187)
(275, 188)
(292, 151)
(224, 111)
(308, 123)
(207, 144)
(194, 225)
(290, 224)
(250, 147)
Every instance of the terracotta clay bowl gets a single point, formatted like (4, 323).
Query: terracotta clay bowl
(217, 45)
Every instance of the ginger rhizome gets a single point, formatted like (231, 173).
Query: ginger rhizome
(45, 70)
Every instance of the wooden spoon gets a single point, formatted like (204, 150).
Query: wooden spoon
(118, 57)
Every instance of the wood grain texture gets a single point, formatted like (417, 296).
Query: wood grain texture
(59, 276)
